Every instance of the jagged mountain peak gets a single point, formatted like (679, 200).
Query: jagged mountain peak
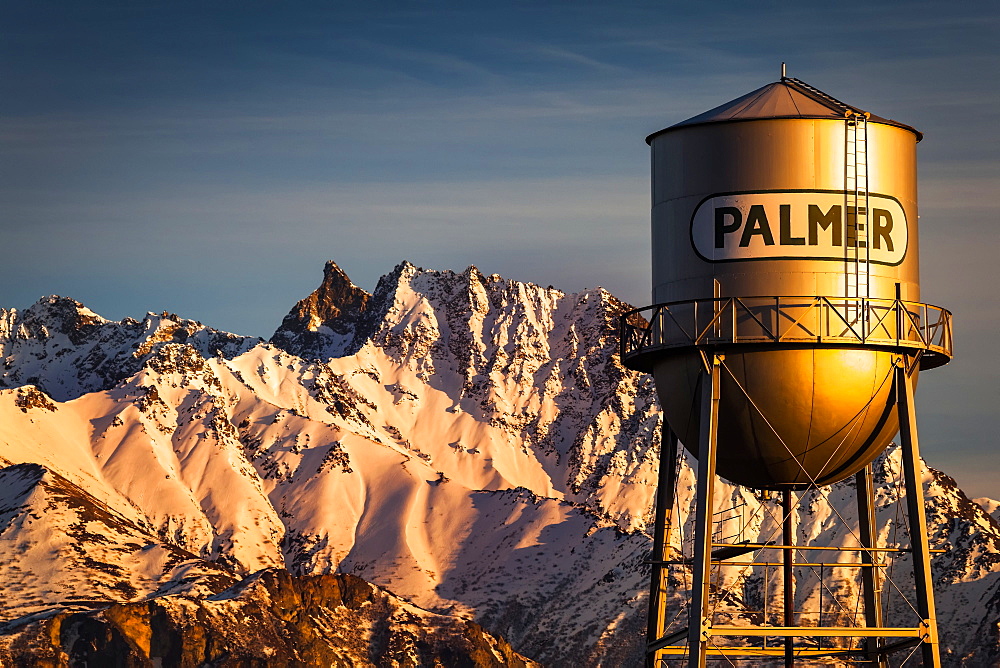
(531, 362)
(67, 350)
(65, 305)
(338, 318)
(326, 323)
(472, 290)
(336, 302)
(52, 315)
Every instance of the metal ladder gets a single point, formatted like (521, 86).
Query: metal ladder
(856, 227)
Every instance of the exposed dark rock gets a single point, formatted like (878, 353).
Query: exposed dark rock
(327, 318)
(31, 397)
(271, 619)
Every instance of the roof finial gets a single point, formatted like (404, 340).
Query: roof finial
(783, 77)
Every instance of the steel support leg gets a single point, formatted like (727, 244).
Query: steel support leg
(870, 585)
(916, 516)
(666, 489)
(699, 620)
(788, 578)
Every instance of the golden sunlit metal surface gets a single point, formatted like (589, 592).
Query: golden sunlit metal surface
(755, 214)
(796, 163)
(807, 381)
(785, 341)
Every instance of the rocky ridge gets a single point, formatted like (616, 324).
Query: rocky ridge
(469, 442)
(269, 619)
(330, 322)
(67, 350)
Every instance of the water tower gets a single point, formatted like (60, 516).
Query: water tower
(785, 340)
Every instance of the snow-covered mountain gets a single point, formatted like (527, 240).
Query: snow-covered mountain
(68, 349)
(468, 442)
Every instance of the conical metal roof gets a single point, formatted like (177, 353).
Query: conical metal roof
(787, 98)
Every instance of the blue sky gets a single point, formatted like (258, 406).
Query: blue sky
(208, 158)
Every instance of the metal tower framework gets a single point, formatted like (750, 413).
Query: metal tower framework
(919, 336)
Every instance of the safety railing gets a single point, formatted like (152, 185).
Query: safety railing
(835, 321)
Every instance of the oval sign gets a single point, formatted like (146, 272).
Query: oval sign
(803, 224)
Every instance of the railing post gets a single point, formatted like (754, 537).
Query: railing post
(776, 329)
(824, 318)
(694, 321)
(654, 335)
(898, 304)
(732, 306)
(865, 320)
(924, 320)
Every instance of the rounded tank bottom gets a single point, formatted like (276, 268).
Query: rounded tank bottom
(787, 418)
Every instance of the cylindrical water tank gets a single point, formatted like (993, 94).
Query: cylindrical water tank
(785, 193)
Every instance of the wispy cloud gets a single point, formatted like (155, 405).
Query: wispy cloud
(421, 60)
(543, 55)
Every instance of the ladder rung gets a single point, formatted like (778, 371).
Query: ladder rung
(856, 187)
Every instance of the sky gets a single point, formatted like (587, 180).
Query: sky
(207, 158)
